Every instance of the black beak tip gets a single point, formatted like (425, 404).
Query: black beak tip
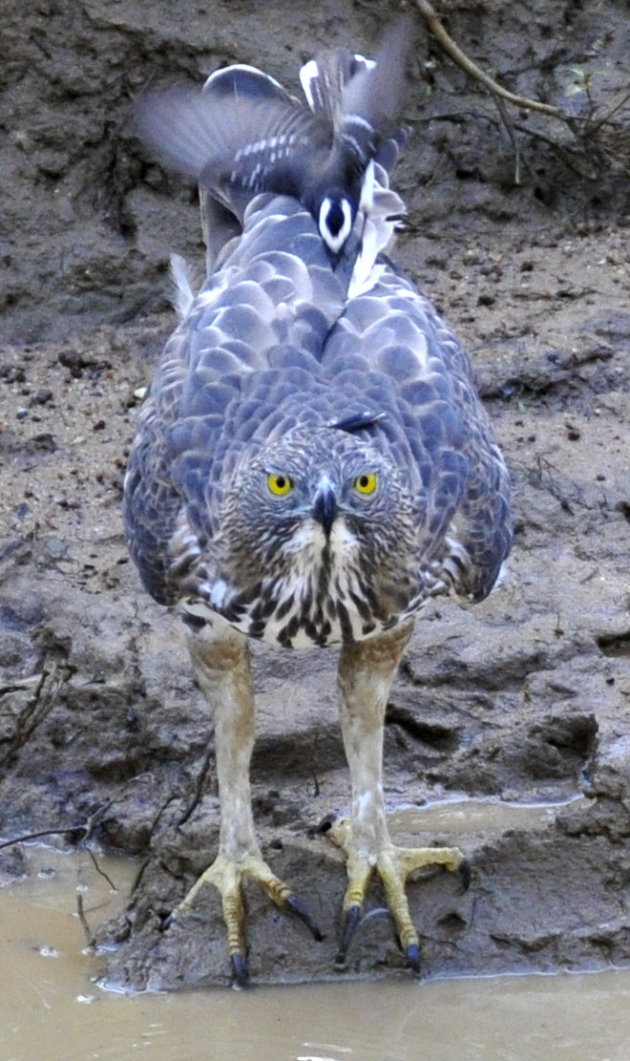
(325, 508)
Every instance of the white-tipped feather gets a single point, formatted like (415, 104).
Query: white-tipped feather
(182, 294)
(309, 74)
(235, 67)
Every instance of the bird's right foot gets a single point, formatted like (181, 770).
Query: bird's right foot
(227, 876)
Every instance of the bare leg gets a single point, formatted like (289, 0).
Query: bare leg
(366, 671)
(220, 658)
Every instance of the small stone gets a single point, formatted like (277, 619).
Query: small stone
(42, 396)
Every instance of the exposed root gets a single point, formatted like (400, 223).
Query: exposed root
(597, 141)
(458, 56)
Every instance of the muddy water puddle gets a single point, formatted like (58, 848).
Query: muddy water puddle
(53, 1007)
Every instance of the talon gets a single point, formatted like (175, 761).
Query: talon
(465, 874)
(167, 921)
(240, 970)
(296, 906)
(379, 911)
(412, 954)
(352, 920)
(326, 824)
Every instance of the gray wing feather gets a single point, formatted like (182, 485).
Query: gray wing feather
(263, 316)
(209, 143)
(412, 369)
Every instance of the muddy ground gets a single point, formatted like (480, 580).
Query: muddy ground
(519, 231)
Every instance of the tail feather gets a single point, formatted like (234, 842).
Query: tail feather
(375, 93)
(244, 134)
(351, 92)
(324, 79)
(361, 97)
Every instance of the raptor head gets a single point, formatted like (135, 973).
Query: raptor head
(321, 525)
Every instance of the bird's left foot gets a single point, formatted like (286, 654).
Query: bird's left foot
(393, 865)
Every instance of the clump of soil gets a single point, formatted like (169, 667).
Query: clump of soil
(526, 697)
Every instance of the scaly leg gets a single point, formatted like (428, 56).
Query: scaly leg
(220, 659)
(366, 671)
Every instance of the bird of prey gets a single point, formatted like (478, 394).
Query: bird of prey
(312, 463)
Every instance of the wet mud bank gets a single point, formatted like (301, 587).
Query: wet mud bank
(524, 698)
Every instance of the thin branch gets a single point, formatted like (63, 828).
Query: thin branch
(595, 126)
(100, 871)
(199, 786)
(89, 935)
(509, 128)
(458, 56)
(26, 837)
(85, 827)
(568, 156)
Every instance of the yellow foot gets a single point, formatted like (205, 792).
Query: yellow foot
(393, 865)
(228, 876)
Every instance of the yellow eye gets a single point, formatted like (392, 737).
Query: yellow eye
(279, 484)
(366, 483)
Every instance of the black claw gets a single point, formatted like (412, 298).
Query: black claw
(412, 954)
(326, 824)
(351, 923)
(168, 921)
(377, 912)
(465, 874)
(240, 970)
(296, 906)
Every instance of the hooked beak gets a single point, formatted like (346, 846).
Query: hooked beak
(325, 505)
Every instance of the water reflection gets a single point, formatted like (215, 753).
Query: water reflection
(51, 1008)
(462, 815)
